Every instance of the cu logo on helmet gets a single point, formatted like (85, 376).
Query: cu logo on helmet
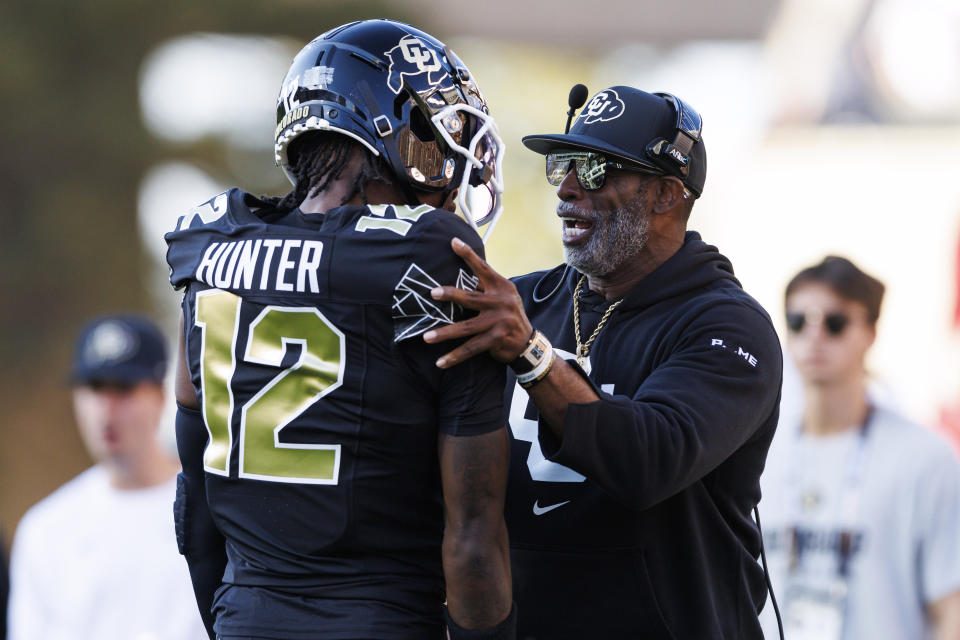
(604, 106)
(411, 57)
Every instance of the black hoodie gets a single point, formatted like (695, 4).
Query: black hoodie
(638, 524)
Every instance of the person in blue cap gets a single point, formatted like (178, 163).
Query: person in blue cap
(98, 557)
(119, 399)
(644, 391)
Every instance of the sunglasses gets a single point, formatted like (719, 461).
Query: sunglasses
(591, 168)
(835, 323)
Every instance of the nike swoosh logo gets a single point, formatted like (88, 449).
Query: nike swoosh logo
(539, 511)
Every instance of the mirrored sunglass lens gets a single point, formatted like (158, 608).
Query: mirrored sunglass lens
(556, 172)
(557, 169)
(590, 167)
(835, 323)
(591, 170)
(795, 322)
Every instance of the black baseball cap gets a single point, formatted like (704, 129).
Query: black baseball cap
(641, 128)
(119, 349)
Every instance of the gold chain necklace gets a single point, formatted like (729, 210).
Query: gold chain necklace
(583, 348)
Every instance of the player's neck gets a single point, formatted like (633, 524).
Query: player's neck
(376, 192)
(834, 408)
(333, 195)
(149, 470)
(329, 198)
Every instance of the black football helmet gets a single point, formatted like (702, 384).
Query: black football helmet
(405, 96)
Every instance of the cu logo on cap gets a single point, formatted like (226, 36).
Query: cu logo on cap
(604, 106)
(411, 57)
(110, 342)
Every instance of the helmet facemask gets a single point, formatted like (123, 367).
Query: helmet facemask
(462, 150)
(480, 195)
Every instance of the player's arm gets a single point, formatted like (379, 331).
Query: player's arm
(198, 538)
(476, 557)
(945, 614)
(473, 445)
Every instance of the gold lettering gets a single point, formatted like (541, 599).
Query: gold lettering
(296, 114)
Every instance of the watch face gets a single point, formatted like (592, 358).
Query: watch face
(533, 355)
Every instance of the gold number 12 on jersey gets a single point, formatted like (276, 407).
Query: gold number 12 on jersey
(317, 372)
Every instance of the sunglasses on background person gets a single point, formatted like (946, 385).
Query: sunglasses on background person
(591, 168)
(835, 323)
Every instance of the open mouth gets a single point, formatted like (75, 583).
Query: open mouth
(576, 229)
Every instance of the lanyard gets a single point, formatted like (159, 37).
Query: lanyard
(851, 493)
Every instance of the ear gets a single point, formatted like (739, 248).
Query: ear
(668, 194)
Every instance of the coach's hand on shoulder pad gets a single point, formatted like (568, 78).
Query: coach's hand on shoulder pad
(500, 326)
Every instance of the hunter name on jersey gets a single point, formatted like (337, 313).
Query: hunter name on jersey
(270, 264)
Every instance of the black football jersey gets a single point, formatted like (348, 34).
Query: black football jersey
(323, 404)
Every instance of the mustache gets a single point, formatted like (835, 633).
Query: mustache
(571, 210)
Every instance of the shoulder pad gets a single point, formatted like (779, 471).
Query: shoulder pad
(210, 211)
(392, 217)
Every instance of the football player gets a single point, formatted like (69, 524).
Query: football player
(336, 483)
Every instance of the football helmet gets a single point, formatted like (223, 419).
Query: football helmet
(406, 97)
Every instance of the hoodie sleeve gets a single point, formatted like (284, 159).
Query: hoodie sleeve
(718, 386)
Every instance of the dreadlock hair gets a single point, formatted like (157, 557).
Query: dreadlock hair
(319, 157)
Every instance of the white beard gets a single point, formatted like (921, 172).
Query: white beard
(618, 236)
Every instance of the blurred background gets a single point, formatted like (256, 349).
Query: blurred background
(833, 126)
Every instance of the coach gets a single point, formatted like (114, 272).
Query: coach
(637, 452)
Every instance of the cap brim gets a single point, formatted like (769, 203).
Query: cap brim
(549, 143)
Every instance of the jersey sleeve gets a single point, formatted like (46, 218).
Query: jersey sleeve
(717, 388)
(191, 242)
(471, 393)
(185, 244)
(432, 263)
(471, 397)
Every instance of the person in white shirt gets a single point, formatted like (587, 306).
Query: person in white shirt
(98, 557)
(861, 507)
